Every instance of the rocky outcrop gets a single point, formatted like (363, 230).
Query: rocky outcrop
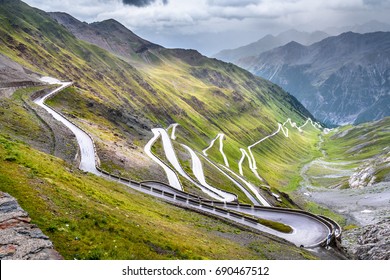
(371, 242)
(13, 74)
(365, 174)
(19, 239)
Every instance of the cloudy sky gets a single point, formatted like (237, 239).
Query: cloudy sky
(212, 25)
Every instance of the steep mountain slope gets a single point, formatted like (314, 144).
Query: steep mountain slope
(109, 35)
(119, 96)
(267, 43)
(13, 74)
(119, 104)
(88, 217)
(341, 80)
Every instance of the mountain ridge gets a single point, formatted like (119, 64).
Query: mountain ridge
(347, 75)
(269, 42)
(119, 98)
(108, 34)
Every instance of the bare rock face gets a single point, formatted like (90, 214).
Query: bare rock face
(13, 74)
(365, 174)
(371, 242)
(19, 239)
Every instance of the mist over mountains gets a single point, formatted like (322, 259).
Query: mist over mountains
(367, 27)
(269, 42)
(341, 80)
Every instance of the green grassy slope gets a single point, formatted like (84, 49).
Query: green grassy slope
(118, 104)
(358, 142)
(353, 158)
(87, 217)
(118, 101)
(16, 119)
(354, 148)
(27, 122)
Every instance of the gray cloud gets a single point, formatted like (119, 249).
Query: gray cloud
(375, 2)
(211, 25)
(141, 3)
(232, 3)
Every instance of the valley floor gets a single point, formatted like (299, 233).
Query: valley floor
(354, 183)
(360, 206)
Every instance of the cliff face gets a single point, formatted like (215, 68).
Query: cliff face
(371, 242)
(13, 74)
(19, 239)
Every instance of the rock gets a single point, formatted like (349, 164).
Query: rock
(365, 174)
(370, 242)
(19, 239)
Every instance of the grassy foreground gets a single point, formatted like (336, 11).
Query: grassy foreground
(87, 217)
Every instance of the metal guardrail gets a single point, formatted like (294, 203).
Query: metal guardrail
(337, 228)
(218, 208)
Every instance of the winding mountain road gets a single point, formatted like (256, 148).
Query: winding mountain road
(220, 136)
(251, 197)
(173, 132)
(281, 128)
(314, 124)
(172, 158)
(87, 150)
(308, 230)
(171, 175)
(197, 169)
(259, 197)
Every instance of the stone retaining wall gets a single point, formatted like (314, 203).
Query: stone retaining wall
(19, 239)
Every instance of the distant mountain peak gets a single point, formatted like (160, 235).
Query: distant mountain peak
(294, 44)
(291, 31)
(342, 79)
(112, 24)
(269, 42)
(266, 37)
(109, 34)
